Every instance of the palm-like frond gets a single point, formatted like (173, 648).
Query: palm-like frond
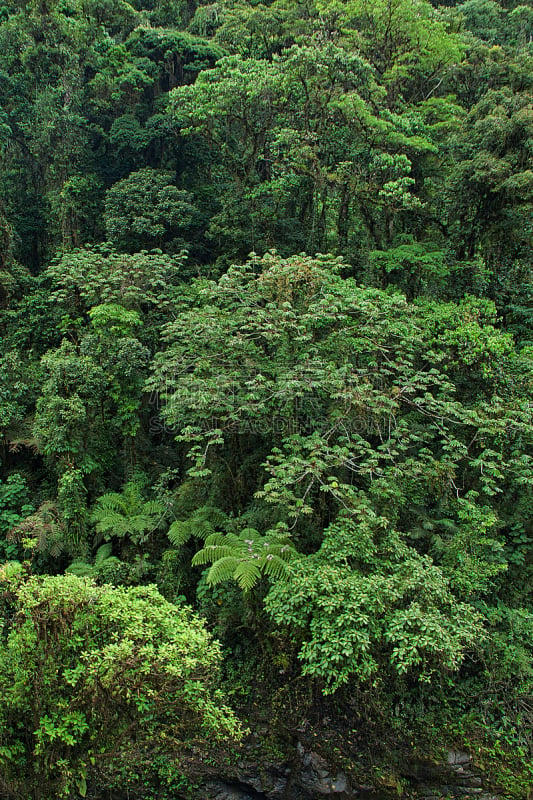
(107, 519)
(247, 574)
(211, 553)
(220, 539)
(178, 533)
(222, 570)
(103, 552)
(201, 525)
(153, 508)
(274, 567)
(44, 530)
(20, 434)
(216, 516)
(127, 514)
(81, 569)
(200, 528)
(112, 501)
(250, 533)
(245, 557)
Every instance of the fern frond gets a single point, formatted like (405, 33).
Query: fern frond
(218, 538)
(222, 570)
(131, 493)
(103, 552)
(247, 574)
(283, 551)
(141, 524)
(153, 508)
(80, 568)
(110, 502)
(20, 434)
(214, 515)
(178, 533)
(200, 528)
(250, 533)
(107, 520)
(52, 542)
(201, 525)
(274, 567)
(244, 557)
(211, 553)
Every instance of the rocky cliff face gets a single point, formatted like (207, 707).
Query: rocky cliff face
(309, 776)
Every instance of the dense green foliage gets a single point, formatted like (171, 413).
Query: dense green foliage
(266, 307)
(82, 666)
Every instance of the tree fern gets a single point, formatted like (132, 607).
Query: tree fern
(112, 502)
(247, 574)
(213, 552)
(244, 558)
(106, 568)
(43, 531)
(83, 569)
(202, 524)
(19, 434)
(103, 552)
(181, 531)
(127, 515)
(222, 570)
(275, 567)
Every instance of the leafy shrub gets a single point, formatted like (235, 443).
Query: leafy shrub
(91, 675)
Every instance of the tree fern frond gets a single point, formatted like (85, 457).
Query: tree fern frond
(101, 516)
(103, 552)
(245, 557)
(212, 553)
(54, 544)
(283, 551)
(127, 514)
(250, 533)
(201, 525)
(218, 539)
(132, 492)
(108, 521)
(200, 528)
(179, 533)
(214, 515)
(153, 508)
(222, 570)
(247, 574)
(141, 524)
(80, 568)
(109, 502)
(274, 567)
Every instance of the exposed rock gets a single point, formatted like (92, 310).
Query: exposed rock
(317, 777)
(456, 757)
(309, 776)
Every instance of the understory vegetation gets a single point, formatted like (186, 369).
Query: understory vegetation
(266, 389)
